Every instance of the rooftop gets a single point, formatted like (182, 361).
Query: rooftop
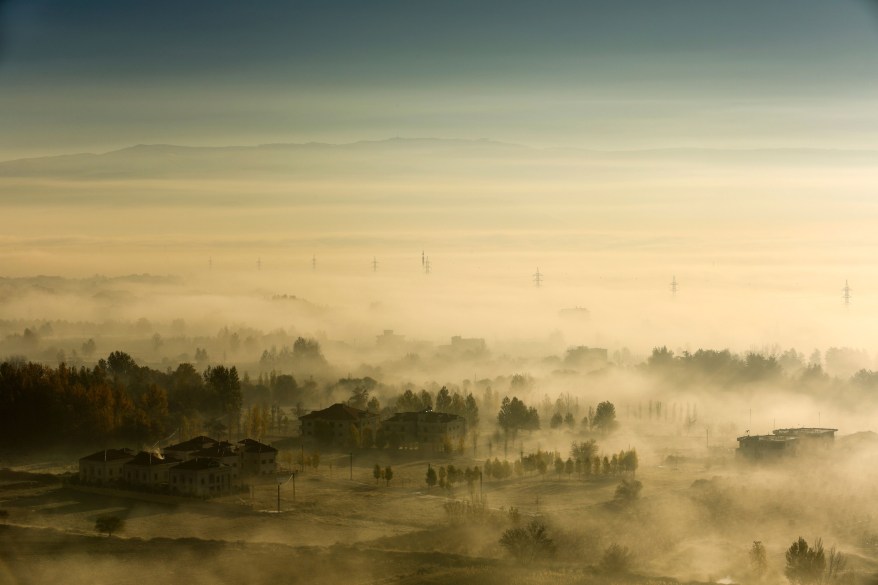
(145, 458)
(109, 455)
(194, 444)
(338, 412)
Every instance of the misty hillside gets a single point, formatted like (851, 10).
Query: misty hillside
(396, 156)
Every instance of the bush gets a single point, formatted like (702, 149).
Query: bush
(628, 490)
(528, 544)
(616, 559)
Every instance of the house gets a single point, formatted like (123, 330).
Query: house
(436, 431)
(201, 477)
(785, 442)
(104, 466)
(187, 449)
(340, 425)
(148, 469)
(227, 454)
(257, 458)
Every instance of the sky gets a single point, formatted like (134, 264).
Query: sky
(95, 75)
(713, 96)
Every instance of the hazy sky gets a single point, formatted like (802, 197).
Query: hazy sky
(100, 74)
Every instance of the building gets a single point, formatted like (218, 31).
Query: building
(434, 431)
(104, 466)
(340, 425)
(188, 449)
(785, 442)
(148, 469)
(201, 477)
(257, 458)
(227, 454)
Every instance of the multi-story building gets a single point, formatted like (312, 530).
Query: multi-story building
(426, 429)
(340, 425)
(148, 469)
(257, 458)
(201, 477)
(104, 466)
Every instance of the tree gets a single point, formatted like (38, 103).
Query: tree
(758, 560)
(605, 417)
(377, 473)
(837, 563)
(388, 475)
(514, 415)
(556, 421)
(528, 544)
(616, 559)
(431, 476)
(109, 524)
(805, 564)
(443, 400)
(583, 451)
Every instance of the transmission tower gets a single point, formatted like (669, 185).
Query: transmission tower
(210, 263)
(674, 285)
(538, 278)
(314, 262)
(423, 259)
(427, 265)
(374, 264)
(846, 293)
(259, 264)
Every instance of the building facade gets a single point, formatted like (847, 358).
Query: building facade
(434, 431)
(340, 425)
(104, 466)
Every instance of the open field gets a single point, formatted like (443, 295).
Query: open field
(694, 522)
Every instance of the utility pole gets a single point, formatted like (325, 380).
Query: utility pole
(674, 285)
(352, 466)
(538, 278)
(846, 293)
(374, 264)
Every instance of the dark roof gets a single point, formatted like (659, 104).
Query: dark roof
(805, 431)
(194, 444)
(253, 446)
(109, 455)
(427, 416)
(218, 450)
(338, 412)
(198, 464)
(145, 458)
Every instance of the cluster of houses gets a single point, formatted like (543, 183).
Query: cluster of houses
(206, 467)
(425, 430)
(785, 442)
(201, 466)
